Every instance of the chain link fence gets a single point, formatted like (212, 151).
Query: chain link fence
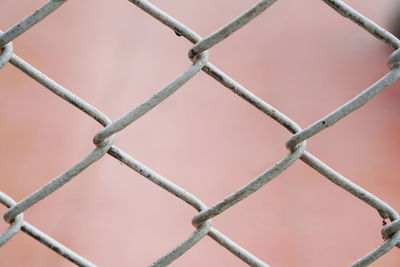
(198, 54)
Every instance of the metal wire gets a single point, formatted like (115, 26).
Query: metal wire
(103, 140)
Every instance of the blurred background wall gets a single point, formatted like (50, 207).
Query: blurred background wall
(299, 56)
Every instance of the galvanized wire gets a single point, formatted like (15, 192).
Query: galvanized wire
(198, 54)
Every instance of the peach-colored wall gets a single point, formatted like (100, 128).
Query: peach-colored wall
(299, 56)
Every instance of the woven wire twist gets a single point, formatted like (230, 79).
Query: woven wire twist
(198, 54)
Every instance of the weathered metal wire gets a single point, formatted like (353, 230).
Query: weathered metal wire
(30, 21)
(20, 224)
(198, 54)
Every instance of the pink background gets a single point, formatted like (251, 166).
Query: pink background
(299, 56)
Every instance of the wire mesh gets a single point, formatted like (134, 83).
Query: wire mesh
(198, 54)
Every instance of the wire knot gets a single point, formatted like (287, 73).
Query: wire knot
(394, 59)
(15, 223)
(6, 52)
(390, 229)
